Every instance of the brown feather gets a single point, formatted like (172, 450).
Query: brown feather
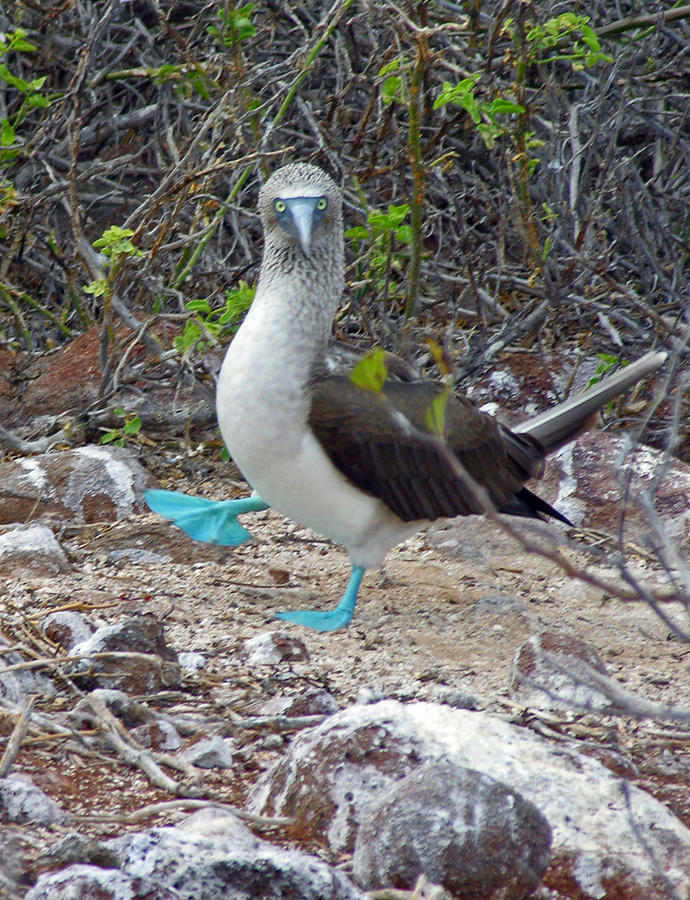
(359, 431)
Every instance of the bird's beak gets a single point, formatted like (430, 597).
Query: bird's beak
(304, 222)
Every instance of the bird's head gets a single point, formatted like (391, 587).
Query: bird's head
(300, 204)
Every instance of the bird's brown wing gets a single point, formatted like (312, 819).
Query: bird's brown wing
(369, 443)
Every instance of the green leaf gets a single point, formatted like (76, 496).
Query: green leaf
(394, 217)
(165, 73)
(458, 94)
(6, 133)
(97, 287)
(198, 306)
(37, 101)
(499, 106)
(358, 233)
(371, 371)
(390, 88)
(133, 426)
(391, 66)
(14, 40)
(113, 437)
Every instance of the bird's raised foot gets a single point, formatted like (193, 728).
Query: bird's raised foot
(211, 521)
(332, 619)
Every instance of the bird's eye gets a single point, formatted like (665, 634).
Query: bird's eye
(279, 206)
(322, 203)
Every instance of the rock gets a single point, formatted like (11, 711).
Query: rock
(212, 856)
(461, 829)
(550, 670)
(75, 847)
(501, 605)
(31, 550)
(520, 386)
(66, 627)
(90, 484)
(274, 647)
(332, 772)
(209, 753)
(22, 802)
(588, 478)
(136, 675)
(312, 702)
(13, 862)
(16, 686)
(191, 661)
(161, 736)
(85, 882)
(67, 378)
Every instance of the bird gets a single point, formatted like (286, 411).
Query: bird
(366, 467)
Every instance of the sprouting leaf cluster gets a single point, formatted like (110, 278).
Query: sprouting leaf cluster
(30, 93)
(207, 325)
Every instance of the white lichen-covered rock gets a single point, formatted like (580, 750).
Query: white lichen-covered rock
(214, 857)
(89, 484)
(610, 839)
(461, 829)
(31, 550)
(67, 627)
(554, 670)
(209, 753)
(85, 882)
(595, 473)
(16, 686)
(147, 663)
(274, 647)
(21, 802)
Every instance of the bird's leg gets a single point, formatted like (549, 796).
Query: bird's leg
(211, 521)
(334, 618)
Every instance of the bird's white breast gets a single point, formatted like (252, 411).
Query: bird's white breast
(263, 409)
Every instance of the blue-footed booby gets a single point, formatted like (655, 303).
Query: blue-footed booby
(334, 456)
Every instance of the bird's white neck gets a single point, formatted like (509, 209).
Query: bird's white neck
(271, 359)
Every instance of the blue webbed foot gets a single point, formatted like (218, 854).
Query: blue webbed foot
(211, 521)
(333, 618)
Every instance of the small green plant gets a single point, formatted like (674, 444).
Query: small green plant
(568, 32)
(207, 325)
(14, 41)
(116, 245)
(235, 25)
(555, 34)
(392, 83)
(183, 77)
(387, 233)
(129, 429)
(608, 362)
(484, 113)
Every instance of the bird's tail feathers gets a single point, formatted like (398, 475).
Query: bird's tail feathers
(563, 422)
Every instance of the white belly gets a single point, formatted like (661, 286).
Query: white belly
(308, 489)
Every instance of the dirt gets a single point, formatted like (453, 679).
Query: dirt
(443, 623)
